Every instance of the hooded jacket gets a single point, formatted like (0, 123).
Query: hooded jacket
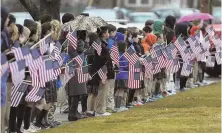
(158, 27)
(168, 29)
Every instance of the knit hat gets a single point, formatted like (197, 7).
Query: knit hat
(149, 22)
(67, 17)
(157, 27)
(4, 16)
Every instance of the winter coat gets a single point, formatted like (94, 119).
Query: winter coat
(123, 69)
(73, 87)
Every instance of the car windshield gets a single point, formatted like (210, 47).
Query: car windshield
(141, 18)
(105, 14)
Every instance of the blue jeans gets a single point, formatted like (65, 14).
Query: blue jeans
(4, 88)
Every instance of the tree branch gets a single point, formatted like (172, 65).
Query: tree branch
(30, 6)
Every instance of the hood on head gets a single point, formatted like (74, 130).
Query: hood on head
(119, 36)
(181, 28)
(170, 21)
(158, 27)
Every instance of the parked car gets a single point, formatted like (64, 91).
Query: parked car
(138, 19)
(162, 13)
(109, 15)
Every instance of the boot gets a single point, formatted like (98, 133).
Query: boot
(20, 112)
(27, 117)
(35, 112)
(73, 112)
(116, 99)
(84, 103)
(39, 119)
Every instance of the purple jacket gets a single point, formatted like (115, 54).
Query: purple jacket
(124, 68)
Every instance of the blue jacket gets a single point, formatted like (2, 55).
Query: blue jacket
(124, 68)
(110, 43)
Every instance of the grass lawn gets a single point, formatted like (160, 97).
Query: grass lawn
(196, 110)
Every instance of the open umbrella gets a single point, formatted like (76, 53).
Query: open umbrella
(84, 23)
(195, 16)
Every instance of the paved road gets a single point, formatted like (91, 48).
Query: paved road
(64, 117)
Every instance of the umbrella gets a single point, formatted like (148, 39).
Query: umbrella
(84, 23)
(195, 16)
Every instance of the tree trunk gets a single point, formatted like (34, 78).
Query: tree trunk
(51, 7)
(31, 8)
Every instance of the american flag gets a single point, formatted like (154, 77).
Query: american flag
(173, 65)
(210, 30)
(46, 72)
(196, 48)
(17, 71)
(160, 58)
(69, 73)
(185, 54)
(57, 48)
(4, 64)
(156, 67)
(83, 74)
(191, 40)
(180, 44)
(154, 49)
(187, 68)
(57, 69)
(206, 42)
(22, 53)
(210, 61)
(202, 54)
(173, 50)
(114, 54)
(17, 93)
(35, 65)
(168, 56)
(134, 76)
(216, 40)
(44, 45)
(97, 47)
(199, 37)
(131, 56)
(72, 38)
(79, 59)
(35, 94)
(147, 62)
(218, 57)
(102, 73)
(60, 58)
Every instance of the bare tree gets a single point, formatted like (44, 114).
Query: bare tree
(51, 7)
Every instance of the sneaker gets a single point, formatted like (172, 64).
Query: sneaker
(30, 130)
(32, 126)
(121, 109)
(104, 114)
(139, 103)
(130, 105)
